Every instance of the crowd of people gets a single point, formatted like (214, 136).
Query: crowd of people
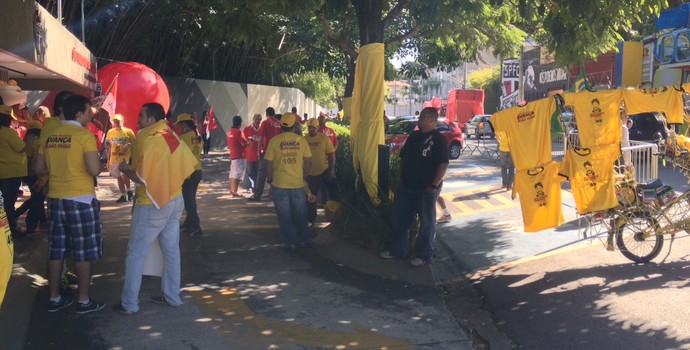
(59, 160)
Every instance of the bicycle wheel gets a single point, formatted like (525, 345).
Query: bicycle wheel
(637, 239)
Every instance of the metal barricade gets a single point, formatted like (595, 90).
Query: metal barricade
(644, 157)
(558, 145)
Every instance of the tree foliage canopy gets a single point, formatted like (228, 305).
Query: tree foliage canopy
(267, 41)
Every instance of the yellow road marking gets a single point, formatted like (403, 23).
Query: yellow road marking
(226, 309)
(459, 200)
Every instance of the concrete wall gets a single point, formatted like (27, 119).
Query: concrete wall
(229, 99)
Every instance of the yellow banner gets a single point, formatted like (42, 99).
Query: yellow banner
(367, 126)
(6, 253)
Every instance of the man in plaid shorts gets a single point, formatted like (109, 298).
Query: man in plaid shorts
(70, 157)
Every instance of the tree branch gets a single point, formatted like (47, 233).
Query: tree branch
(404, 36)
(341, 44)
(395, 12)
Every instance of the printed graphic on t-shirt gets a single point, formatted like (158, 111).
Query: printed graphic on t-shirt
(596, 115)
(426, 149)
(540, 197)
(59, 141)
(590, 178)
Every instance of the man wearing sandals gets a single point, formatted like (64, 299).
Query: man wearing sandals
(423, 163)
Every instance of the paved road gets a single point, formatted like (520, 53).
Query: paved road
(556, 289)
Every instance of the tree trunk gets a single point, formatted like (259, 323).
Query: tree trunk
(350, 83)
(369, 20)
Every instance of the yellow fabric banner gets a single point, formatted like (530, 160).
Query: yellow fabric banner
(367, 115)
(347, 107)
(6, 253)
(163, 162)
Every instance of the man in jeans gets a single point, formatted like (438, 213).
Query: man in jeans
(507, 167)
(423, 163)
(160, 164)
(251, 132)
(268, 129)
(70, 157)
(288, 161)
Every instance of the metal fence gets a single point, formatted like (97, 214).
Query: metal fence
(643, 156)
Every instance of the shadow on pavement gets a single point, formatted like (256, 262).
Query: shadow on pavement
(580, 307)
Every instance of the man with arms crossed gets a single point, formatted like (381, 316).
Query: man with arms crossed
(70, 158)
(160, 164)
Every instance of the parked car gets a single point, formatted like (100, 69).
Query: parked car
(399, 129)
(647, 127)
(472, 127)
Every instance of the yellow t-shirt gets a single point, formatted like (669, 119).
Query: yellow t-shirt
(591, 176)
(597, 115)
(49, 125)
(195, 144)
(6, 253)
(502, 138)
(120, 144)
(528, 131)
(64, 151)
(667, 100)
(540, 197)
(287, 151)
(320, 147)
(161, 160)
(12, 157)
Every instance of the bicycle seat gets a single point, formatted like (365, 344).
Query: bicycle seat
(656, 183)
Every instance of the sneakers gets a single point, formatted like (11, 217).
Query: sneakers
(118, 307)
(159, 299)
(92, 306)
(130, 195)
(444, 219)
(253, 199)
(64, 302)
(386, 255)
(122, 199)
(417, 262)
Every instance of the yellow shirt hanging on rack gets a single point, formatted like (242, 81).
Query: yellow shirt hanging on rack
(540, 197)
(528, 131)
(597, 116)
(591, 176)
(667, 100)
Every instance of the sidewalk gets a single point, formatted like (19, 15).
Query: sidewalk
(242, 290)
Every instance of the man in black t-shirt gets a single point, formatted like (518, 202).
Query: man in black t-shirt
(423, 163)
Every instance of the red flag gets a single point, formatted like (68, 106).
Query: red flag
(212, 120)
(110, 102)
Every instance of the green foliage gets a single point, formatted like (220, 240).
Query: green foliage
(362, 222)
(318, 86)
(578, 30)
(485, 77)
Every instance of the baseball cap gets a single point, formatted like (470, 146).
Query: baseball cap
(117, 117)
(288, 120)
(183, 117)
(33, 124)
(4, 109)
(313, 122)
